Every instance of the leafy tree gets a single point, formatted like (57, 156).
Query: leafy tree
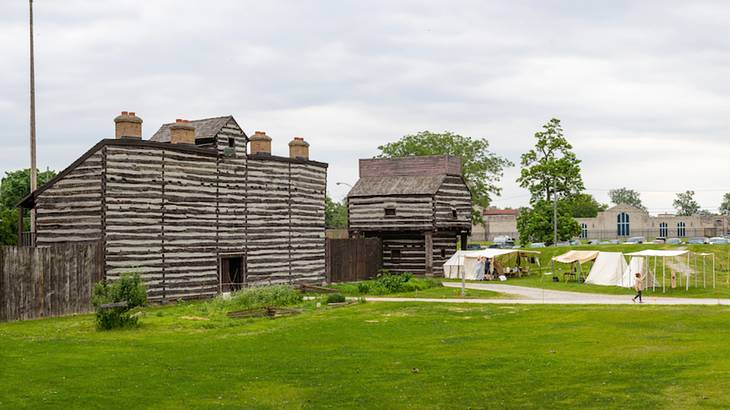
(551, 167)
(16, 186)
(481, 168)
(8, 226)
(584, 206)
(626, 196)
(536, 224)
(685, 204)
(725, 206)
(335, 214)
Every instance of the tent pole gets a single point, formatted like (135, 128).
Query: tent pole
(713, 271)
(653, 287)
(689, 272)
(664, 273)
(704, 272)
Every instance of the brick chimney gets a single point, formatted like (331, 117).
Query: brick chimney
(182, 132)
(298, 148)
(260, 143)
(128, 125)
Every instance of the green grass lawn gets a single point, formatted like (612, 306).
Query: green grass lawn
(376, 355)
(722, 263)
(443, 292)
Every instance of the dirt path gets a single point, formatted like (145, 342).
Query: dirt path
(532, 296)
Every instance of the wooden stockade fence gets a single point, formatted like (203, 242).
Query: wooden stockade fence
(350, 260)
(48, 281)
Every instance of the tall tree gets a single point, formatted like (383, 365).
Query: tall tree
(551, 166)
(685, 204)
(536, 224)
(725, 206)
(335, 214)
(16, 185)
(626, 196)
(584, 206)
(482, 169)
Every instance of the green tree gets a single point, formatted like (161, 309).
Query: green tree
(584, 206)
(536, 224)
(481, 168)
(685, 204)
(626, 196)
(16, 186)
(725, 206)
(335, 214)
(551, 167)
(8, 226)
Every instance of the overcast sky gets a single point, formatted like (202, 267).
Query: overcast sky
(642, 88)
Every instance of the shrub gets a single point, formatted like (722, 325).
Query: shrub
(335, 298)
(363, 287)
(128, 288)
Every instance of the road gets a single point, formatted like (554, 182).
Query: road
(533, 296)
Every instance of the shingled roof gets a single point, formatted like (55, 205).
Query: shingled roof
(397, 185)
(205, 128)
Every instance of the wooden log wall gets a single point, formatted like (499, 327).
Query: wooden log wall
(411, 250)
(231, 130)
(170, 213)
(453, 194)
(48, 281)
(444, 247)
(70, 211)
(412, 212)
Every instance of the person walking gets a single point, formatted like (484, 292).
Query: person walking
(638, 286)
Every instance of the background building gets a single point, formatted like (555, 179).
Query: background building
(618, 222)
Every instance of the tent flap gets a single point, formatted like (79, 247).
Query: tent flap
(576, 256)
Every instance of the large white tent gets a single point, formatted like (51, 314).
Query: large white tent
(608, 269)
(680, 261)
(463, 262)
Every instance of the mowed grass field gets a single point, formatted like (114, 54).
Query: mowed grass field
(722, 268)
(376, 355)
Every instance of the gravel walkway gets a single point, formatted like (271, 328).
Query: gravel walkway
(533, 296)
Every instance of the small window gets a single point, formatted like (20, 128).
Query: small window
(231, 142)
(390, 211)
(454, 214)
(443, 253)
(395, 254)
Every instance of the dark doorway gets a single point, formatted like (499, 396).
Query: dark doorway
(232, 273)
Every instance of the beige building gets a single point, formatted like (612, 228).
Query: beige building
(618, 222)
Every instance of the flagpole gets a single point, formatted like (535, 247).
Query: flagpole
(33, 169)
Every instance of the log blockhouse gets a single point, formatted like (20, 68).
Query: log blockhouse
(190, 209)
(419, 206)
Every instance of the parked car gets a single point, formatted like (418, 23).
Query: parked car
(660, 240)
(473, 247)
(564, 243)
(674, 241)
(718, 241)
(503, 239)
(575, 242)
(536, 245)
(594, 242)
(698, 241)
(635, 240)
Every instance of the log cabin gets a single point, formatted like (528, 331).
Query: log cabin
(193, 210)
(418, 206)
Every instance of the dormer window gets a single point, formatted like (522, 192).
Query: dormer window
(390, 210)
(231, 142)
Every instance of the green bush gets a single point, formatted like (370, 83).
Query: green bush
(128, 288)
(335, 298)
(387, 283)
(262, 296)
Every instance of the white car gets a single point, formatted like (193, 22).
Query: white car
(718, 240)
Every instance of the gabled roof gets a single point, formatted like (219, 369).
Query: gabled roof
(397, 185)
(204, 128)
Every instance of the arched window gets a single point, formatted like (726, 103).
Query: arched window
(622, 224)
(663, 231)
(584, 231)
(681, 229)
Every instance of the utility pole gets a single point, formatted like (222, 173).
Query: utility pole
(33, 170)
(555, 214)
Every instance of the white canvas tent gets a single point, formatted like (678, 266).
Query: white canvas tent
(463, 262)
(608, 270)
(677, 259)
(576, 257)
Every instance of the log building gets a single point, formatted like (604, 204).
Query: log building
(192, 209)
(418, 206)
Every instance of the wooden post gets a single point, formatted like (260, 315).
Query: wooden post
(33, 170)
(428, 237)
